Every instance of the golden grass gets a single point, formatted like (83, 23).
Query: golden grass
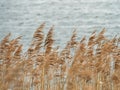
(88, 64)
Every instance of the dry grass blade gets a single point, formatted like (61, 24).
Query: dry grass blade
(6, 39)
(37, 41)
(73, 39)
(49, 41)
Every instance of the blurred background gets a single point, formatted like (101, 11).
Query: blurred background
(23, 17)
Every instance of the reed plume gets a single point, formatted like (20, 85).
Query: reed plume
(92, 63)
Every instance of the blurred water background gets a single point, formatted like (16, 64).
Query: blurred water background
(23, 17)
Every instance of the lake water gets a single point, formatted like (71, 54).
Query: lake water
(22, 17)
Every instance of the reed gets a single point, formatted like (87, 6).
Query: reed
(88, 64)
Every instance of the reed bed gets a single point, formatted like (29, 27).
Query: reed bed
(88, 64)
